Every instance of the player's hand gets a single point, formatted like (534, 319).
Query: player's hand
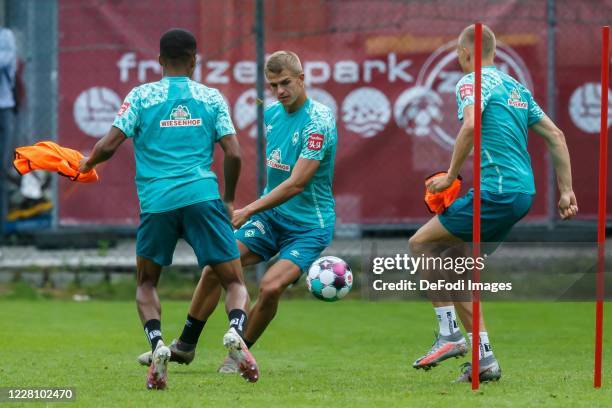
(568, 207)
(84, 167)
(438, 184)
(240, 216)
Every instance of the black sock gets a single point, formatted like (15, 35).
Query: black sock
(238, 320)
(249, 343)
(152, 330)
(192, 330)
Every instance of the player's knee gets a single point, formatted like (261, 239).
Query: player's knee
(147, 272)
(270, 291)
(145, 278)
(237, 288)
(209, 277)
(145, 286)
(417, 244)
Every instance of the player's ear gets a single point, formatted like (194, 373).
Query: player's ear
(301, 78)
(161, 61)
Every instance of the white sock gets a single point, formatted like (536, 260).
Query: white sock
(447, 319)
(485, 347)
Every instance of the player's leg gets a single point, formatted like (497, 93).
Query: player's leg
(149, 310)
(298, 249)
(431, 240)
(488, 365)
(147, 301)
(208, 291)
(204, 301)
(255, 242)
(462, 298)
(499, 213)
(489, 369)
(274, 282)
(155, 243)
(229, 275)
(207, 229)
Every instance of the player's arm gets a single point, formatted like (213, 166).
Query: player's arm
(103, 150)
(463, 146)
(231, 168)
(303, 171)
(557, 147)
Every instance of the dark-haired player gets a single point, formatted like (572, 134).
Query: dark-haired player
(174, 124)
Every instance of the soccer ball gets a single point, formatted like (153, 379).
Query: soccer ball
(329, 278)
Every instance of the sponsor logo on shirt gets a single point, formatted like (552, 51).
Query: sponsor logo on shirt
(294, 253)
(180, 117)
(315, 141)
(295, 138)
(466, 90)
(123, 108)
(516, 101)
(275, 160)
(249, 233)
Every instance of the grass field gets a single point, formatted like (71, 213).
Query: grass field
(350, 353)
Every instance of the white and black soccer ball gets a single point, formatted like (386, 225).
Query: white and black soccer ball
(329, 278)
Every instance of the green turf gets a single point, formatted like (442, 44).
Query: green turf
(349, 353)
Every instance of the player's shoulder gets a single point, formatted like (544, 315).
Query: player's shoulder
(321, 114)
(149, 93)
(512, 84)
(204, 93)
(150, 86)
(272, 110)
(467, 79)
(491, 77)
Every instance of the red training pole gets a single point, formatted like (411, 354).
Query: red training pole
(601, 221)
(476, 217)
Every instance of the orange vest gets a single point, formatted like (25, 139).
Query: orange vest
(438, 202)
(52, 157)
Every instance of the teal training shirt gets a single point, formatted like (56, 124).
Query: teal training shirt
(174, 124)
(308, 133)
(508, 109)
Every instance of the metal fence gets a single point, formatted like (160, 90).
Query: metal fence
(385, 67)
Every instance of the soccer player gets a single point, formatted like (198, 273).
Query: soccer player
(174, 124)
(508, 111)
(295, 216)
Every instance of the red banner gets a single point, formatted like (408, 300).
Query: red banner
(391, 87)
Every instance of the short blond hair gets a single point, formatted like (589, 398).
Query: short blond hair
(281, 60)
(466, 39)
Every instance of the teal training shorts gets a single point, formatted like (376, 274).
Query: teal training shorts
(204, 225)
(269, 233)
(498, 214)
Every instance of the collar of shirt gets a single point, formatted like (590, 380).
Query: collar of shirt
(302, 108)
(176, 78)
